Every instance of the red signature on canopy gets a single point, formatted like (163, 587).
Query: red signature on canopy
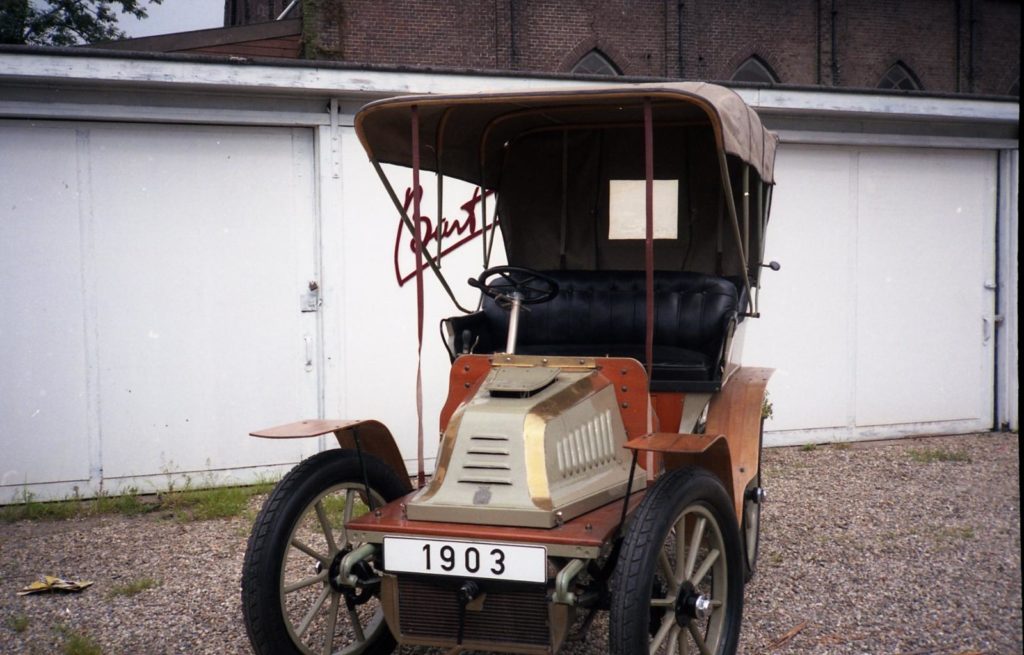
(462, 231)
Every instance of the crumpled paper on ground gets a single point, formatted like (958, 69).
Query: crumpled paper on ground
(50, 583)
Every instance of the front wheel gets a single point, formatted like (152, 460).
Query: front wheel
(290, 602)
(678, 581)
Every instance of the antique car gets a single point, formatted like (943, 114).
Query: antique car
(600, 444)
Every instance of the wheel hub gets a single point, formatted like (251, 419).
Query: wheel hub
(353, 595)
(690, 604)
(334, 571)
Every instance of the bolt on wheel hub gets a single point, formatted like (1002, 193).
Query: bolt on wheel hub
(690, 604)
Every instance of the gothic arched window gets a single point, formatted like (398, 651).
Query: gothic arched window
(900, 77)
(755, 69)
(596, 63)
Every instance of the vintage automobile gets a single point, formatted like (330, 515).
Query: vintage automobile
(601, 441)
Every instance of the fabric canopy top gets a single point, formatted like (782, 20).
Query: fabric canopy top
(464, 136)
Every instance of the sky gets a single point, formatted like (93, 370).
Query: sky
(176, 16)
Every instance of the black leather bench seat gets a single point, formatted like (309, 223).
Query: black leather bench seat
(670, 364)
(603, 313)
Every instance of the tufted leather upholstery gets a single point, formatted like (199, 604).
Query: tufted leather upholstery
(602, 313)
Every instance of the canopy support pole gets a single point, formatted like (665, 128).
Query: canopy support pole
(439, 219)
(564, 216)
(756, 265)
(730, 202)
(746, 216)
(420, 251)
(483, 224)
(765, 211)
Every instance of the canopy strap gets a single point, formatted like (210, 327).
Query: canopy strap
(649, 270)
(420, 251)
(649, 235)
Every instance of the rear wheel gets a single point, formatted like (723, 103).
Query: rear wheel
(678, 582)
(753, 498)
(291, 601)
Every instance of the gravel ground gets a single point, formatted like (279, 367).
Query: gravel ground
(907, 547)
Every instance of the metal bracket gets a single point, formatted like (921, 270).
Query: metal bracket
(989, 321)
(345, 575)
(564, 579)
(310, 300)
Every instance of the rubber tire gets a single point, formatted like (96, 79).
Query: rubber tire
(750, 563)
(261, 570)
(634, 575)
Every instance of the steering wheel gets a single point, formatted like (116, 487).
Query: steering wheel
(532, 287)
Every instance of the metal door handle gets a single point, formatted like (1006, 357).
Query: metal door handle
(309, 351)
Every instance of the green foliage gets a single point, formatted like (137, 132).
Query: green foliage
(28, 508)
(65, 22)
(78, 644)
(134, 587)
(208, 501)
(932, 455)
(186, 504)
(130, 503)
(17, 622)
(955, 533)
(809, 447)
(203, 504)
(767, 409)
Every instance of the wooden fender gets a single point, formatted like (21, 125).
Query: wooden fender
(730, 446)
(374, 438)
(736, 412)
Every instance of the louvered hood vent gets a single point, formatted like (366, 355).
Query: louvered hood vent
(521, 460)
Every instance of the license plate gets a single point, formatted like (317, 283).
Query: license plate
(466, 559)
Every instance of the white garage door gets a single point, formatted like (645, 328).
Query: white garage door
(151, 302)
(878, 323)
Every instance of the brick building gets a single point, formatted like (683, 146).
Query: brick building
(937, 46)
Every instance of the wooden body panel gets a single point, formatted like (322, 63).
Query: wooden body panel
(671, 442)
(584, 535)
(731, 444)
(668, 407)
(735, 412)
(374, 437)
(464, 379)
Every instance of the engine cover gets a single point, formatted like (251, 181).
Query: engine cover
(533, 447)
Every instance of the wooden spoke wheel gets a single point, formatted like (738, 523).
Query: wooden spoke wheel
(678, 582)
(292, 599)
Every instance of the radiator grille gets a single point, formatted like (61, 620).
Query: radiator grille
(430, 608)
(589, 446)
